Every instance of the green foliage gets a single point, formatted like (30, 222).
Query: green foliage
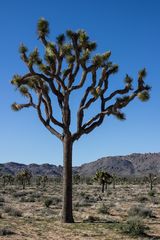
(134, 226)
(144, 96)
(82, 36)
(69, 33)
(43, 27)
(24, 177)
(15, 107)
(32, 82)
(34, 57)
(106, 55)
(50, 49)
(13, 212)
(119, 115)
(142, 73)
(44, 68)
(114, 68)
(102, 175)
(91, 46)
(60, 39)
(23, 48)
(140, 211)
(16, 80)
(104, 209)
(94, 92)
(91, 219)
(128, 79)
(85, 55)
(142, 198)
(66, 49)
(23, 90)
(97, 60)
(5, 232)
(48, 202)
(70, 59)
(151, 193)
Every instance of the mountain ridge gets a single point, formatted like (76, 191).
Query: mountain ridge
(124, 165)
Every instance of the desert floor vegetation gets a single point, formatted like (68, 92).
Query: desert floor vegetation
(127, 212)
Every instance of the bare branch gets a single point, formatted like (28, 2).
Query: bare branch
(45, 123)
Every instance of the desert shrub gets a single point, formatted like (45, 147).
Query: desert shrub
(36, 194)
(89, 181)
(82, 194)
(56, 200)
(134, 226)
(104, 209)
(140, 211)
(5, 232)
(142, 198)
(1, 199)
(91, 219)
(48, 202)
(13, 211)
(155, 201)
(84, 203)
(151, 193)
(20, 194)
(27, 199)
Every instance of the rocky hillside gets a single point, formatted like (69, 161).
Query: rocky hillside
(134, 164)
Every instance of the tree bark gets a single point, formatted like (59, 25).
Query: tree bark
(67, 215)
(103, 183)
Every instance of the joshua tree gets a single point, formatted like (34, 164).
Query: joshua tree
(114, 180)
(151, 179)
(76, 179)
(7, 179)
(103, 178)
(24, 177)
(53, 81)
(44, 181)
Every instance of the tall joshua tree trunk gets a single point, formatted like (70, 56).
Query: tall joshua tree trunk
(103, 183)
(67, 215)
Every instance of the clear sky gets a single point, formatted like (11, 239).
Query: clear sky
(129, 28)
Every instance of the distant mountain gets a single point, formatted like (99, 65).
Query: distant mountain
(133, 164)
(129, 165)
(44, 169)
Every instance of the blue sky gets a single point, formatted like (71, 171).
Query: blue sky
(130, 29)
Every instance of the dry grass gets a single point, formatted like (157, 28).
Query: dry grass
(96, 217)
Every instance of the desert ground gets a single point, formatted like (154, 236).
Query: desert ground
(34, 212)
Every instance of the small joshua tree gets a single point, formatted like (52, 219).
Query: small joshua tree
(42, 181)
(7, 179)
(76, 179)
(103, 178)
(50, 82)
(151, 179)
(24, 177)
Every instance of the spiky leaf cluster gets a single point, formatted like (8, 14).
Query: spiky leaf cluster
(128, 79)
(43, 28)
(120, 116)
(22, 48)
(144, 96)
(16, 80)
(142, 73)
(15, 107)
(60, 39)
(97, 60)
(34, 57)
(23, 90)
